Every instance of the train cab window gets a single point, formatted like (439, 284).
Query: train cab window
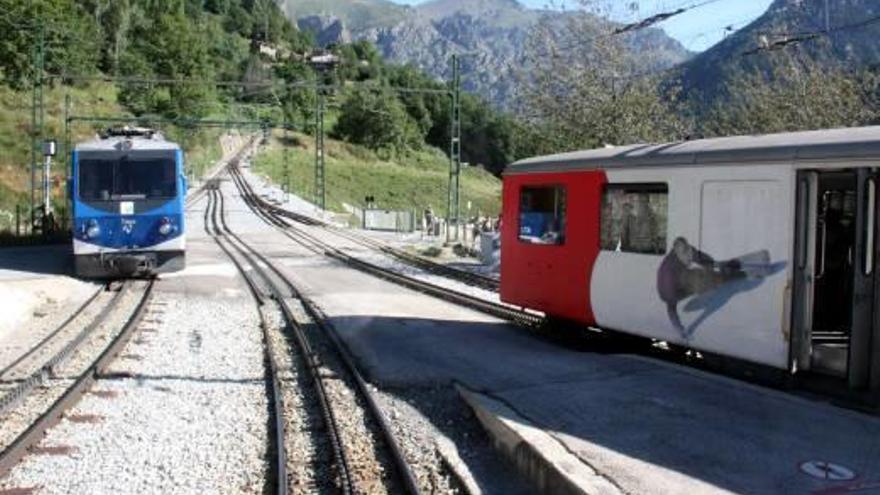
(109, 178)
(634, 218)
(542, 215)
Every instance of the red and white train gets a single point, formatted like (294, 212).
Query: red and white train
(761, 248)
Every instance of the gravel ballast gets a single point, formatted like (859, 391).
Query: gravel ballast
(183, 409)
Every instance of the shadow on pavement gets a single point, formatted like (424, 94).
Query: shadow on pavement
(649, 426)
(43, 260)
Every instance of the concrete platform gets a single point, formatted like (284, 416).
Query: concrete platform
(650, 427)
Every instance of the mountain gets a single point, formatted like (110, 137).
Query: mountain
(850, 43)
(357, 15)
(492, 34)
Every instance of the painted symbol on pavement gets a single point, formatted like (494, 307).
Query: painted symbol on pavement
(828, 471)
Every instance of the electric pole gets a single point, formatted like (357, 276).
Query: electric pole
(322, 64)
(37, 120)
(453, 205)
(286, 160)
(320, 190)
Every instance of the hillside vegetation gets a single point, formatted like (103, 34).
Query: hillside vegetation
(202, 147)
(414, 182)
(160, 60)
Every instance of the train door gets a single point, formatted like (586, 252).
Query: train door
(835, 307)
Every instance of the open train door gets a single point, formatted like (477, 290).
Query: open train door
(836, 324)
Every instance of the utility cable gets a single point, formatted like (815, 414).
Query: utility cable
(788, 39)
(660, 17)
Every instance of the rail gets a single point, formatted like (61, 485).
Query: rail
(35, 432)
(269, 214)
(257, 262)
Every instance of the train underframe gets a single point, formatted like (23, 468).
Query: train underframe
(129, 264)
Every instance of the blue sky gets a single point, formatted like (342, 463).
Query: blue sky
(697, 29)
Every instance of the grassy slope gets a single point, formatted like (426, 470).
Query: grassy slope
(93, 100)
(15, 144)
(353, 172)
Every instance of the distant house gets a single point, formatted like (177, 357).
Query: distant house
(268, 50)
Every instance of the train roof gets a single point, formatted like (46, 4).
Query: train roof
(115, 143)
(852, 143)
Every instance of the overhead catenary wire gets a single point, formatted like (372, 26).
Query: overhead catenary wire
(794, 38)
(632, 27)
(243, 84)
(659, 17)
(727, 28)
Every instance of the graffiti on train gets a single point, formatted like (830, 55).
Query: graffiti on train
(690, 276)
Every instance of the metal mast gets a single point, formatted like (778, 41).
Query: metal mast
(453, 206)
(322, 64)
(320, 191)
(37, 121)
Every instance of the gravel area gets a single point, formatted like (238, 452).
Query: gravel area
(23, 357)
(369, 459)
(402, 268)
(309, 453)
(32, 309)
(446, 445)
(38, 401)
(182, 410)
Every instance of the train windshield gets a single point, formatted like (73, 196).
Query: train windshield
(127, 178)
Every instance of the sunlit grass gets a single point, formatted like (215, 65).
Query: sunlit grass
(414, 182)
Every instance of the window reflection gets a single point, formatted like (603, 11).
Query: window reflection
(542, 215)
(634, 218)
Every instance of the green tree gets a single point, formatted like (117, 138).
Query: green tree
(72, 39)
(298, 98)
(580, 81)
(375, 118)
(167, 46)
(796, 94)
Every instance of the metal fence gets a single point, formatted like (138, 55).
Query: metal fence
(388, 220)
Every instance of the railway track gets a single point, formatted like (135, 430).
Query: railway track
(470, 278)
(360, 459)
(273, 217)
(76, 360)
(196, 195)
(430, 266)
(42, 361)
(279, 480)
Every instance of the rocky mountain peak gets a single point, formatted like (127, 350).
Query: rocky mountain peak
(445, 8)
(495, 32)
(327, 29)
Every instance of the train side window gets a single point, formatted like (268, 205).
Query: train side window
(542, 215)
(634, 218)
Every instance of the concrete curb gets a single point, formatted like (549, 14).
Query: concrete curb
(538, 456)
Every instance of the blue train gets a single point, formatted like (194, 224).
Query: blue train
(128, 195)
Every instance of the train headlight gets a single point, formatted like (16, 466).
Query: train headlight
(165, 227)
(93, 230)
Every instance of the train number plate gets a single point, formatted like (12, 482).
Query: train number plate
(126, 208)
